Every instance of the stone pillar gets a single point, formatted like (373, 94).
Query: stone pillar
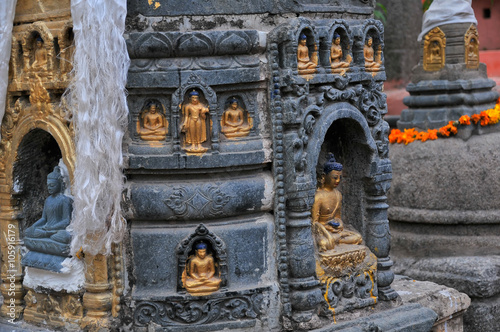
(12, 272)
(305, 294)
(378, 237)
(97, 299)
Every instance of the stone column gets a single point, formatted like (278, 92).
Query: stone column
(97, 299)
(304, 286)
(378, 236)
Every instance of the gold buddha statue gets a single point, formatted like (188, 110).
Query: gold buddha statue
(193, 124)
(39, 56)
(199, 277)
(372, 62)
(327, 225)
(338, 65)
(234, 123)
(154, 124)
(305, 65)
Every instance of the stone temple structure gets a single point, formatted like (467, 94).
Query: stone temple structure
(444, 217)
(234, 109)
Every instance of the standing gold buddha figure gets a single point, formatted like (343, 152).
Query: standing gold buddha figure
(194, 114)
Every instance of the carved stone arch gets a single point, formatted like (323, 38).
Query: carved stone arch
(28, 42)
(346, 41)
(333, 113)
(186, 246)
(56, 128)
(194, 82)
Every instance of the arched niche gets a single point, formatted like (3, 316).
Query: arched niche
(37, 155)
(341, 28)
(343, 130)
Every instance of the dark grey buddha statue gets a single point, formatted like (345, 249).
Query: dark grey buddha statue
(48, 236)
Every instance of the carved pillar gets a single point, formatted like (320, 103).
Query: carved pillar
(12, 272)
(378, 236)
(97, 299)
(304, 286)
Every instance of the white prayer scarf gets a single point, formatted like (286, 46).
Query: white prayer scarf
(97, 97)
(7, 13)
(442, 12)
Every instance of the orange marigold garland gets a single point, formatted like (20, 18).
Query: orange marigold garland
(485, 118)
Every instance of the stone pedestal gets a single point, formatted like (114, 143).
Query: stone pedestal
(445, 219)
(449, 304)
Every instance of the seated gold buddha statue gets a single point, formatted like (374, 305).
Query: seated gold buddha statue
(154, 125)
(338, 65)
(328, 228)
(306, 65)
(39, 56)
(199, 277)
(372, 62)
(233, 122)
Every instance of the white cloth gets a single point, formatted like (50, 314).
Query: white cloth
(443, 12)
(7, 13)
(97, 97)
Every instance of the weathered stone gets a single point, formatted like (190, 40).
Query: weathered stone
(448, 303)
(482, 315)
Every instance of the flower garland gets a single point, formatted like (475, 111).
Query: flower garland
(485, 118)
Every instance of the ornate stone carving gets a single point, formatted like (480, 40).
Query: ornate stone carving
(349, 292)
(172, 313)
(434, 50)
(39, 97)
(472, 48)
(208, 200)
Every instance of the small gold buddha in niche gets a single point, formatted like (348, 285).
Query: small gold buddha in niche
(338, 65)
(434, 50)
(200, 277)
(305, 65)
(234, 123)
(194, 114)
(327, 225)
(39, 56)
(372, 61)
(472, 54)
(152, 125)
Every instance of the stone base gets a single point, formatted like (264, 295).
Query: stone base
(482, 315)
(448, 303)
(407, 318)
(477, 276)
(57, 310)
